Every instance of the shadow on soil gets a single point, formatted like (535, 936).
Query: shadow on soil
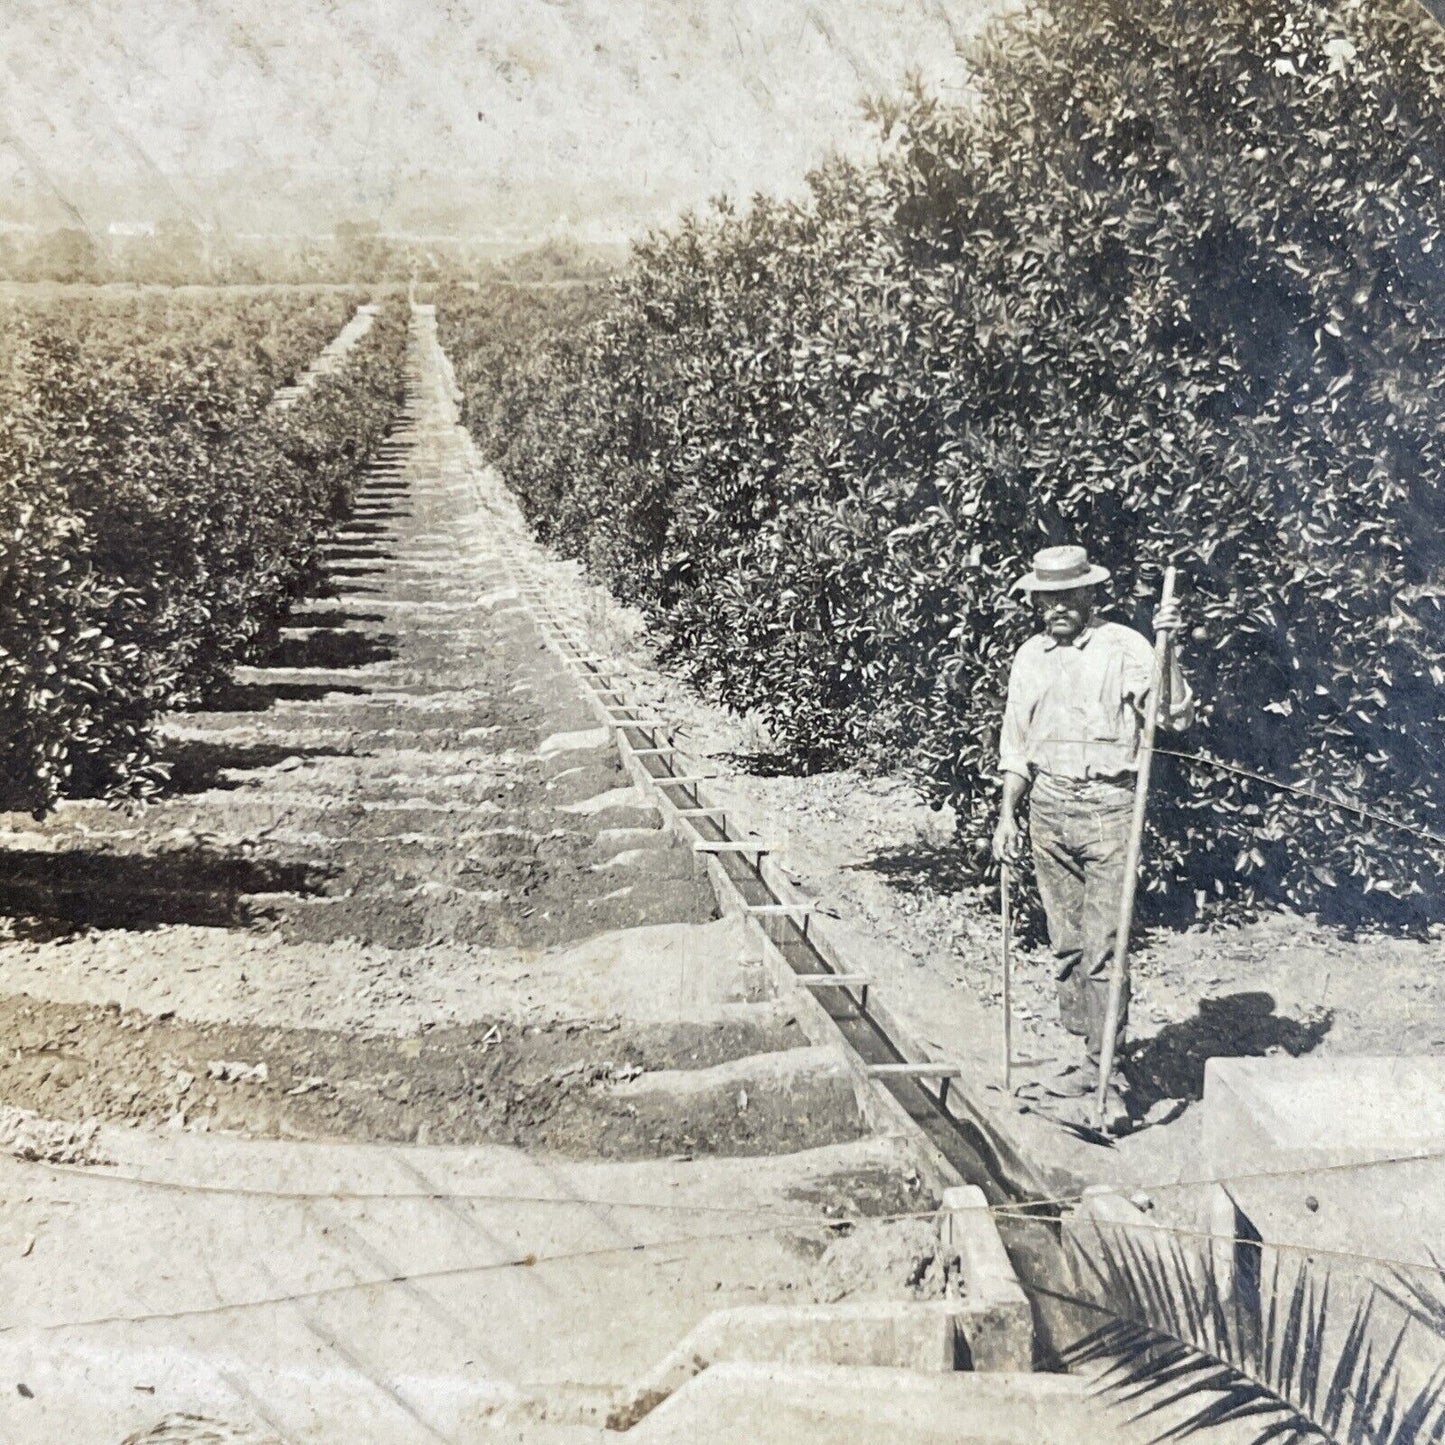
(197, 766)
(340, 587)
(259, 697)
(332, 648)
(199, 886)
(769, 764)
(376, 512)
(1242, 1025)
(332, 617)
(1171, 1064)
(929, 868)
(359, 551)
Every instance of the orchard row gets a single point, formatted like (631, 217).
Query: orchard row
(156, 520)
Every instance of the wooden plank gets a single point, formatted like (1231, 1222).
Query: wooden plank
(915, 1071)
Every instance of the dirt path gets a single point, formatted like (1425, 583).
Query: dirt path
(331, 358)
(398, 893)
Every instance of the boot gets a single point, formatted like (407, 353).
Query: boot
(1082, 1109)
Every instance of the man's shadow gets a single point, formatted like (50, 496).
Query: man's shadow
(1242, 1025)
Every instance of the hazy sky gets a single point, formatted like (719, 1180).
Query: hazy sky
(657, 103)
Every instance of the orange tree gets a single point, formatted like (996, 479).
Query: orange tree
(155, 523)
(262, 338)
(1172, 287)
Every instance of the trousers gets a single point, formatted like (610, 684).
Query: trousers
(1079, 830)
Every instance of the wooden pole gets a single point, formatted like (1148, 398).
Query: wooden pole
(1120, 968)
(1005, 910)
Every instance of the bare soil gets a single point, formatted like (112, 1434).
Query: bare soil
(486, 1083)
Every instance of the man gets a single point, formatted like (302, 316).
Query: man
(1076, 699)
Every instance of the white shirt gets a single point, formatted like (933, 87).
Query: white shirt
(1075, 709)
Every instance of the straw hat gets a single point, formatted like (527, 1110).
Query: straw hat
(1058, 568)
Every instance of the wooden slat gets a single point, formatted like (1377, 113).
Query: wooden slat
(915, 1071)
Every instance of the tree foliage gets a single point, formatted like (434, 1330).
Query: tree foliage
(156, 520)
(1171, 286)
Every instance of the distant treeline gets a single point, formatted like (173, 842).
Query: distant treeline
(180, 252)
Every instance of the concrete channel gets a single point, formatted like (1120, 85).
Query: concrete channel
(408, 1072)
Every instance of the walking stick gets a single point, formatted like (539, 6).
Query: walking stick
(1119, 969)
(1008, 1018)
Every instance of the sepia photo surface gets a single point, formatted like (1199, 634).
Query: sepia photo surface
(722, 723)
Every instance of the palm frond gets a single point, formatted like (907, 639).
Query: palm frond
(1175, 1341)
(1424, 1303)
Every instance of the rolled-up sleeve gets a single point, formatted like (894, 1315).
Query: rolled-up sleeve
(1013, 739)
